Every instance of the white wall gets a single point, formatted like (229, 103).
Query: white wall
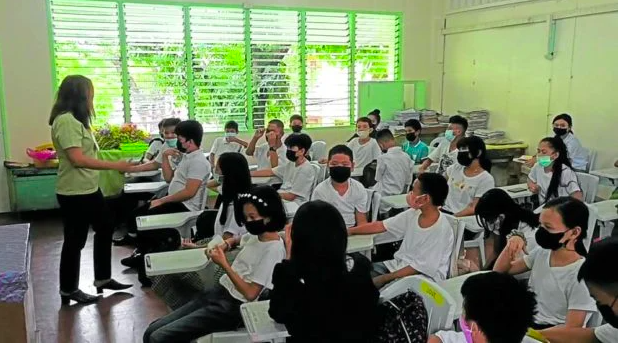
(504, 69)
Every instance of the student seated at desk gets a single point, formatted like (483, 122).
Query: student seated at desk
(296, 123)
(553, 176)
(273, 152)
(562, 300)
(468, 179)
(217, 308)
(497, 308)
(347, 195)
(298, 175)
(502, 217)
(365, 149)
(170, 142)
(229, 143)
(319, 293)
(414, 147)
(563, 129)
(233, 173)
(155, 144)
(600, 273)
(428, 236)
(394, 167)
(187, 184)
(445, 154)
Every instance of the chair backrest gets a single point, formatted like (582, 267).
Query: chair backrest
(589, 186)
(459, 230)
(319, 174)
(440, 306)
(591, 160)
(437, 141)
(592, 218)
(374, 203)
(318, 150)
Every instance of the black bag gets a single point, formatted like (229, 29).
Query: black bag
(404, 320)
(160, 240)
(368, 175)
(157, 139)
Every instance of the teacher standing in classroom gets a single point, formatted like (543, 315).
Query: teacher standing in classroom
(81, 202)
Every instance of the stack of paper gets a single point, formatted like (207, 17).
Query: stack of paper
(478, 119)
(429, 117)
(486, 134)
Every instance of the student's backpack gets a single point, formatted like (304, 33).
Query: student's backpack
(368, 175)
(157, 139)
(403, 320)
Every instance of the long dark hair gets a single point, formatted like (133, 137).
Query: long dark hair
(557, 145)
(496, 202)
(574, 214)
(319, 237)
(477, 150)
(565, 117)
(236, 180)
(75, 96)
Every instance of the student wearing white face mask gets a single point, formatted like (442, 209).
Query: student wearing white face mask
(445, 153)
(365, 149)
(562, 299)
(229, 143)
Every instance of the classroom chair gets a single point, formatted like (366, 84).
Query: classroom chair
(589, 186)
(452, 288)
(440, 306)
(318, 150)
(374, 204)
(459, 230)
(478, 241)
(437, 141)
(591, 160)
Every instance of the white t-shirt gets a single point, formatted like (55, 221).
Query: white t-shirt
(221, 146)
(297, 180)
(442, 155)
(394, 172)
(427, 250)
(255, 264)
(155, 147)
(568, 181)
(354, 199)
(450, 336)
(174, 161)
(557, 289)
(230, 226)
(363, 154)
(261, 154)
(578, 155)
(192, 166)
(606, 334)
(463, 189)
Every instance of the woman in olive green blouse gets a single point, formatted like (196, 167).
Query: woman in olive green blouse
(81, 203)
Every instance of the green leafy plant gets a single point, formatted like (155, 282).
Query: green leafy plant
(113, 136)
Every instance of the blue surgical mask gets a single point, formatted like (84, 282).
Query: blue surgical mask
(231, 135)
(449, 135)
(172, 143)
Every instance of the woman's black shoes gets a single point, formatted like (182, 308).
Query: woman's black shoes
(79, 297)
(113, 285)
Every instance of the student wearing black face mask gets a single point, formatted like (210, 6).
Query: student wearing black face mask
(563, 128)
(298, 175)
(469, 179)
(297, 123)
(600, 274)
(414, 147)
(347, 195)
(217, 309)
(562, 299)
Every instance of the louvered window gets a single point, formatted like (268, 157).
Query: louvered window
(149, 61)
(87, 42)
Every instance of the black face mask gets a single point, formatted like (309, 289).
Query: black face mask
(180, 147)
(339, 173)
(547, 240)
(290, 155)
(296, 128)
(608, 314)
(255, 227)
(411, 137)
(560, 131)
(464, 159)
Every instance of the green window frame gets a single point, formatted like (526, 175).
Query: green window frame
(154, 59)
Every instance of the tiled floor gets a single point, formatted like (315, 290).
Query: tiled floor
(117, 317)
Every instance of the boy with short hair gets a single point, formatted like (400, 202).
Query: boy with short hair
(155, 144)
(298, 174)
(497, 308)
(365, 149)
(170, 141)
(296, 123)
(273, 152)
(229, 143)
(428, 236)
(347, 195)
(445, 154)
(394, 167)
(414, 147)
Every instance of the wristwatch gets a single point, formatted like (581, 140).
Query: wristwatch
(273, 149)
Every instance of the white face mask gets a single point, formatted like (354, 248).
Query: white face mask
(363, 134)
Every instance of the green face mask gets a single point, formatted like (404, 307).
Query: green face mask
(544, 160)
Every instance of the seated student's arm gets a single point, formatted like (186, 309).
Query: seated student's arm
(149, 166)
(212, 159)
(263, 173)
(166, 169)
(274, 159)
(482, 188)
(506, 263)
(532, 186)
(288, 196)
(578, 195)
(575, 318)
(239, 141)
(367, 229)
(380, 281)
(562, 333)
(433, 157)
(570, 180)
(360, 218)
(434, 339)
(249, 290)
(191, 188)
(469, 210)
(211, 184)
(252, 145)
(301, 185)
(361, 208)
